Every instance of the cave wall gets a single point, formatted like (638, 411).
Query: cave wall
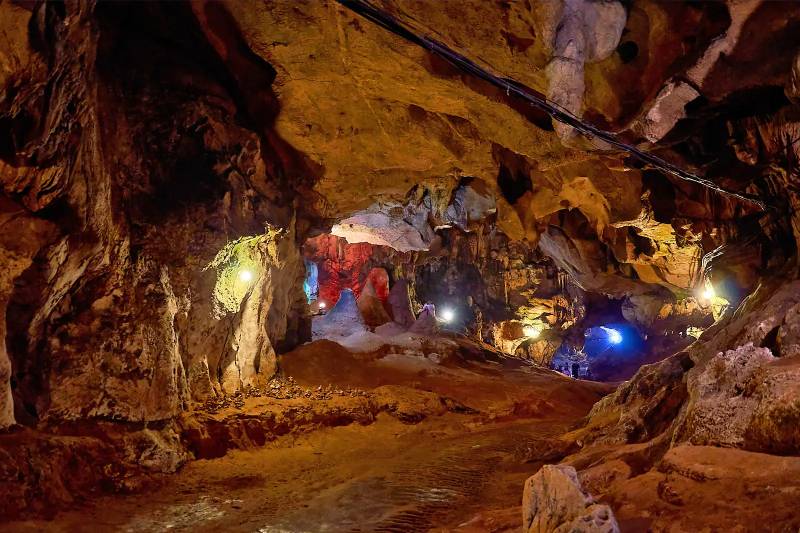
(129, 161)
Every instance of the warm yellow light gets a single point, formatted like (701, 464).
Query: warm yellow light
(531, 331)
(708, 294)
(322, 305)
(245, 276)
(693, 331)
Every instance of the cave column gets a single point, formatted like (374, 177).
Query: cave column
(16, 255)
(14, 264)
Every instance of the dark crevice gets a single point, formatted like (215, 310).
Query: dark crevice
(512, 185)
(771, 341)
(628, 51)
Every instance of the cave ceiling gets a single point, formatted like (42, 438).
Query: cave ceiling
(378, 117)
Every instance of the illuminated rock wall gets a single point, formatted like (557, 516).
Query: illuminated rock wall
(121, 183)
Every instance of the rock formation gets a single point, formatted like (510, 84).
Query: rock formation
(401, 304)
(425, 323)
(170, 171)
(371, 307)
(553, 502)
(342, 320)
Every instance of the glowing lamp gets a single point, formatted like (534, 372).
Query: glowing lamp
(245, 276)
(708, 294)
(448, 315)
(614, 336)
(321, 305)
(530, 331)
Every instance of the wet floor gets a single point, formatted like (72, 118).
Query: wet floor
(384, 477)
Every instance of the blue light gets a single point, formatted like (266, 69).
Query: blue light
(310, 284)
(614, 336)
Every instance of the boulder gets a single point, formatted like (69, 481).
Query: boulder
(746, 398)
(400, 303)
(553, 501)
(426, 321)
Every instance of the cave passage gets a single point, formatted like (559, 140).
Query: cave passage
(373, 265)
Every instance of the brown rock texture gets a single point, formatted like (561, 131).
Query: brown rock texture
(127, 189)
(167, 168)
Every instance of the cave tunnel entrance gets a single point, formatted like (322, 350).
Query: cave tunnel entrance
(521, 309)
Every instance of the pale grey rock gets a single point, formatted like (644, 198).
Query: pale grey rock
(585, 32)
(724, 401)
(554, 502)
(669, 105)
(426, 321)
(745, 398)
(383, 225)
(667, 110)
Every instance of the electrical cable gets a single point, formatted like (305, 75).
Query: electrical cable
(380, 17)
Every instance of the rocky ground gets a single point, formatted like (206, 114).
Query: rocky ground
(388, 441)
(442, 440)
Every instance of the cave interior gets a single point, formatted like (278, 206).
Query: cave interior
(400, 265)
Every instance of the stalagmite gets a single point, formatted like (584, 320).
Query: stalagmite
(400, 303)
(371, 307)
(342, 320)
(426, 321)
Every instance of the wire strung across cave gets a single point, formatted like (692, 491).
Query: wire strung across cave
(391, 23)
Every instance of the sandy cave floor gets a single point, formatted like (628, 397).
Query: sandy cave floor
(439, 473)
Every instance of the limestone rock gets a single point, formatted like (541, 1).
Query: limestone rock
(744, 398)
(553, 502)
(390, 329)
(400, 303)
(371, 307)
(378, 226)
(541, 351)
(426, 321)
(343, 320)
(641, 408)
(669, 107)
(725, 400)
(583, 32)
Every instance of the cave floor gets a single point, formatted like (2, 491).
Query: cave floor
(387, 476)
(427, 441)
(422, 470)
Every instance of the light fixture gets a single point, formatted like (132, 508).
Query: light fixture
(531, 331)
(448, 315)
(321, 305)
(614, 336)
(245, 276)
(709, 293)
